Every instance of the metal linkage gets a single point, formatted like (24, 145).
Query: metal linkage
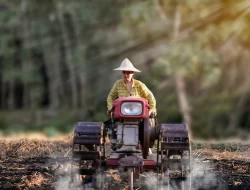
(88, 149)
(174, 150)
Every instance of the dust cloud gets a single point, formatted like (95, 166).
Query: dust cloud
(202, 177)
(63, 183)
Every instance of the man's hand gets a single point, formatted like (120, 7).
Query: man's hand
(152, 113)
(109, 112)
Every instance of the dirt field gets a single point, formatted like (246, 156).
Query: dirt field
(33, 164)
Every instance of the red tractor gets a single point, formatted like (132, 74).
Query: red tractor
(138, 144)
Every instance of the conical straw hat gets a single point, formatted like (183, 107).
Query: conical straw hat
(126, 65)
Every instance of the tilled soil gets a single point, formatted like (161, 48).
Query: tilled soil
(213, 168)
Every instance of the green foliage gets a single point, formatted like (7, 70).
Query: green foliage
(141, 20)
(3, 124)
(51, 131)
(49, 47)
(63, 123)
(191, 60)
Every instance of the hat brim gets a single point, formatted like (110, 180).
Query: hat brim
(125, 69)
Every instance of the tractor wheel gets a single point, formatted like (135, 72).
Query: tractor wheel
(153, 131)
(146, 138)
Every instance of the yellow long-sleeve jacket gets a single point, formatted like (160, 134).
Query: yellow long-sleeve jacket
(138, 89)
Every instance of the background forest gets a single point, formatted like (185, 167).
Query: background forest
(57, 57)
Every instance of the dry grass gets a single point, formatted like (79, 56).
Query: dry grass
(218, 155)
(233, 156)
(35, 136)
(34, 147)
(34, 180)
(44, 147)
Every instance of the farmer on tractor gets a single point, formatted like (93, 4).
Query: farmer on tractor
(132, 134)
(128, 86)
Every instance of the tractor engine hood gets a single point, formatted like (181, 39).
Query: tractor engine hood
(130, 108)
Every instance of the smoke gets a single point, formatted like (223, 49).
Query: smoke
(61, 167)
(68, 182)
(202, 176)
(63, 183)
(149, 181)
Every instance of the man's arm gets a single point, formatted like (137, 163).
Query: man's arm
(148, 95)
(113, 94)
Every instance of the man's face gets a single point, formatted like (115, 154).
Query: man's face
(127, 75)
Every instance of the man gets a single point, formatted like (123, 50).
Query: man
(128, 86)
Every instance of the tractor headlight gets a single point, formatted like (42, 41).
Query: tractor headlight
(131, 108)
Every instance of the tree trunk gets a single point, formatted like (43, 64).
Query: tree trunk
(177, 23)
(178, 76)
(5, 95)
(68, 54)
(26, 96)
(45, 101)
(237, 113)
(1, 85)
(242, 75)
(83, 98)
(52, 82)
(18, 81)
(2, 95)
(11, 97)
(26, 58)
(65, 75)
(182, 98)
(160, 10)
